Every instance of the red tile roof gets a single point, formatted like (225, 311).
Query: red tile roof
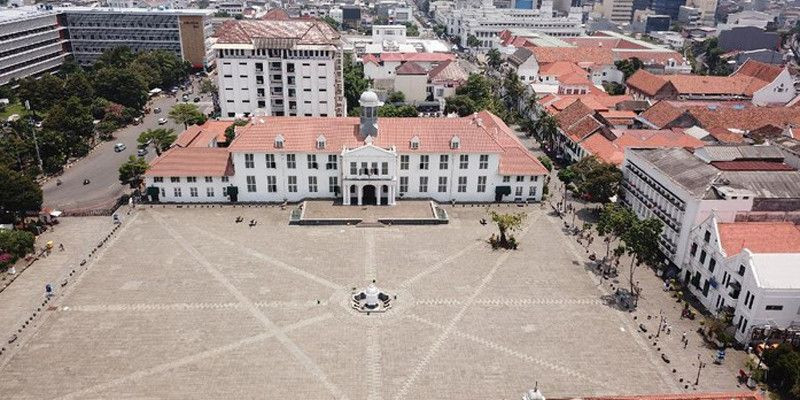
(650, 57)
(276, 14)
(192, 161)
(203, 135)
(481, 133)
(448, 71)
(582, 56)
(661, 113)
(646, 82)
(573, 113)
(305, 32)
(746, 119)
(559, 68)
(583, 128)
(614, 151)
(725, 85)
(759, 237)
(723, 135)
(410, 68)
(759, 70)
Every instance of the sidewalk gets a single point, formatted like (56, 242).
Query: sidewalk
(653, 303)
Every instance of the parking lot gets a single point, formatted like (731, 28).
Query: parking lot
(186, 303)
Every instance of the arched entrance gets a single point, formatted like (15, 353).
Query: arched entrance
(368, 197)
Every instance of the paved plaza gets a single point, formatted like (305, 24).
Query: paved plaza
(185, 303)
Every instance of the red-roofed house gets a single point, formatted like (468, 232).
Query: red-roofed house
(612, 150)
(748, 268)
(358, 160)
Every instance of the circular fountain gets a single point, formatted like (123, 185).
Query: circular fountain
(371, 300)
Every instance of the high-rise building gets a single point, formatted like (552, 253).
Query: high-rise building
(32, 41)
(618, 11)
(280, 68)
(667, 7)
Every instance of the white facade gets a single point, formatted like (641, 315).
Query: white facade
(31, 42)
(780, 91)
(758, 289)
(487, 22)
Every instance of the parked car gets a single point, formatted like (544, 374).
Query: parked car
(196, 99)
(185, 97)
(162, 121)
(156, 110)
(120, 147)
(141, 152)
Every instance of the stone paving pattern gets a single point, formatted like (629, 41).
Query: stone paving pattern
(403, 209)
(185, 303)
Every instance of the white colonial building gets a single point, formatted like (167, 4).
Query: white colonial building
(366, 160)
(279, 68)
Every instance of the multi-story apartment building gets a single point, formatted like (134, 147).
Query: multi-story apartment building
(746, 269)
(366, 160)
(279, 68)
(185, 32)
(618, 11)
(486, 23)
(32, 41)
(683, 188)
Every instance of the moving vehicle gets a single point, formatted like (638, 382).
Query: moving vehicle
(120, 147)
(196, 99)
(162, 121)
(141, 152)
(156, 110)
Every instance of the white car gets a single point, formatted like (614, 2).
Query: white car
(162, 121)
(120, 147)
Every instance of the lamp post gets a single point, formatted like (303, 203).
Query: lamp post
(660, 321)
(700, 366)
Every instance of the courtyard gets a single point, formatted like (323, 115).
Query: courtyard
(186, 303)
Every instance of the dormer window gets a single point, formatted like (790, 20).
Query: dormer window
(414, 143)
(455, 143)
(320, 142)
(279, 142)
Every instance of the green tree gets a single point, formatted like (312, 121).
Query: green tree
(395, 96)
(186, 114)
(594, 180)
(567, 176)
(614, 221)
(714, 64)
(461, 105)
(628, 66)
(20, 194)
(121, 86)
(514, 89)
(614, 88)
(230, 132)
(641, 243)
(398, 111)
(168, 68)
(354, 81)
(161, 138)
(41, 93)
(507, 223)
(547, 162)
(16, 243)
(412, 29)
(472, 41)
(117, 57)
(494, 59)
(207, 86)
(74, 121)
(78, 85)
(546, 129)
(132, 170)
(53, 149)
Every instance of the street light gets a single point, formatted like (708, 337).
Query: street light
(700, 366)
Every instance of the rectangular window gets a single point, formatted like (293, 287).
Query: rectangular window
(403, 184)
(711, 264)
(312, 184)
(462, 184)
(209, 179)
(158, 179)
(164, 194)
(693, 249)
(176, 192)
(443, 161)
(353, 168)
(702, 257)
(463, 161)
(364, 170)
(532, 191)
(404, 162)
(774, 308)
(374, 168)
(312, 161)
(332, 162)
(506, 179)
(423, 184)
(483, 162)
(251, 183)
(481, 184)
(384, 168)
(271, 161)
(248, 161)
(291, 162)
(210, 192)
(292, 184)
(520, 179)
(192, 192)
(518, 191)
(272, 184)
(741, 270)
(423, 162)
(442, 184)
(191, 179)
(225, 179)
(707, 236)
(174, 179)
(333, 184)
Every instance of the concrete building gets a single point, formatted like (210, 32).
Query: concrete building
(683, 189)
(691, 16)
(486, 23)
(667, 7)
(185, 32)
(280, 68)
(707, 8)
(746, 269)
(744, 38)
(32, 41)
(366, 160)
(618, 11)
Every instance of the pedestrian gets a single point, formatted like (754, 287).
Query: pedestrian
(685, 343)
(669, 329)
(666, 286)
(61, 247)
(683, 339)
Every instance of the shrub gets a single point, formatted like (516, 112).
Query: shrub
(16, 243)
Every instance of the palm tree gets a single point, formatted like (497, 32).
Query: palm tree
(185, 113)
(547, 128)
(160, 137)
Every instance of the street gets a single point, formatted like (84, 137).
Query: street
(101, 166)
